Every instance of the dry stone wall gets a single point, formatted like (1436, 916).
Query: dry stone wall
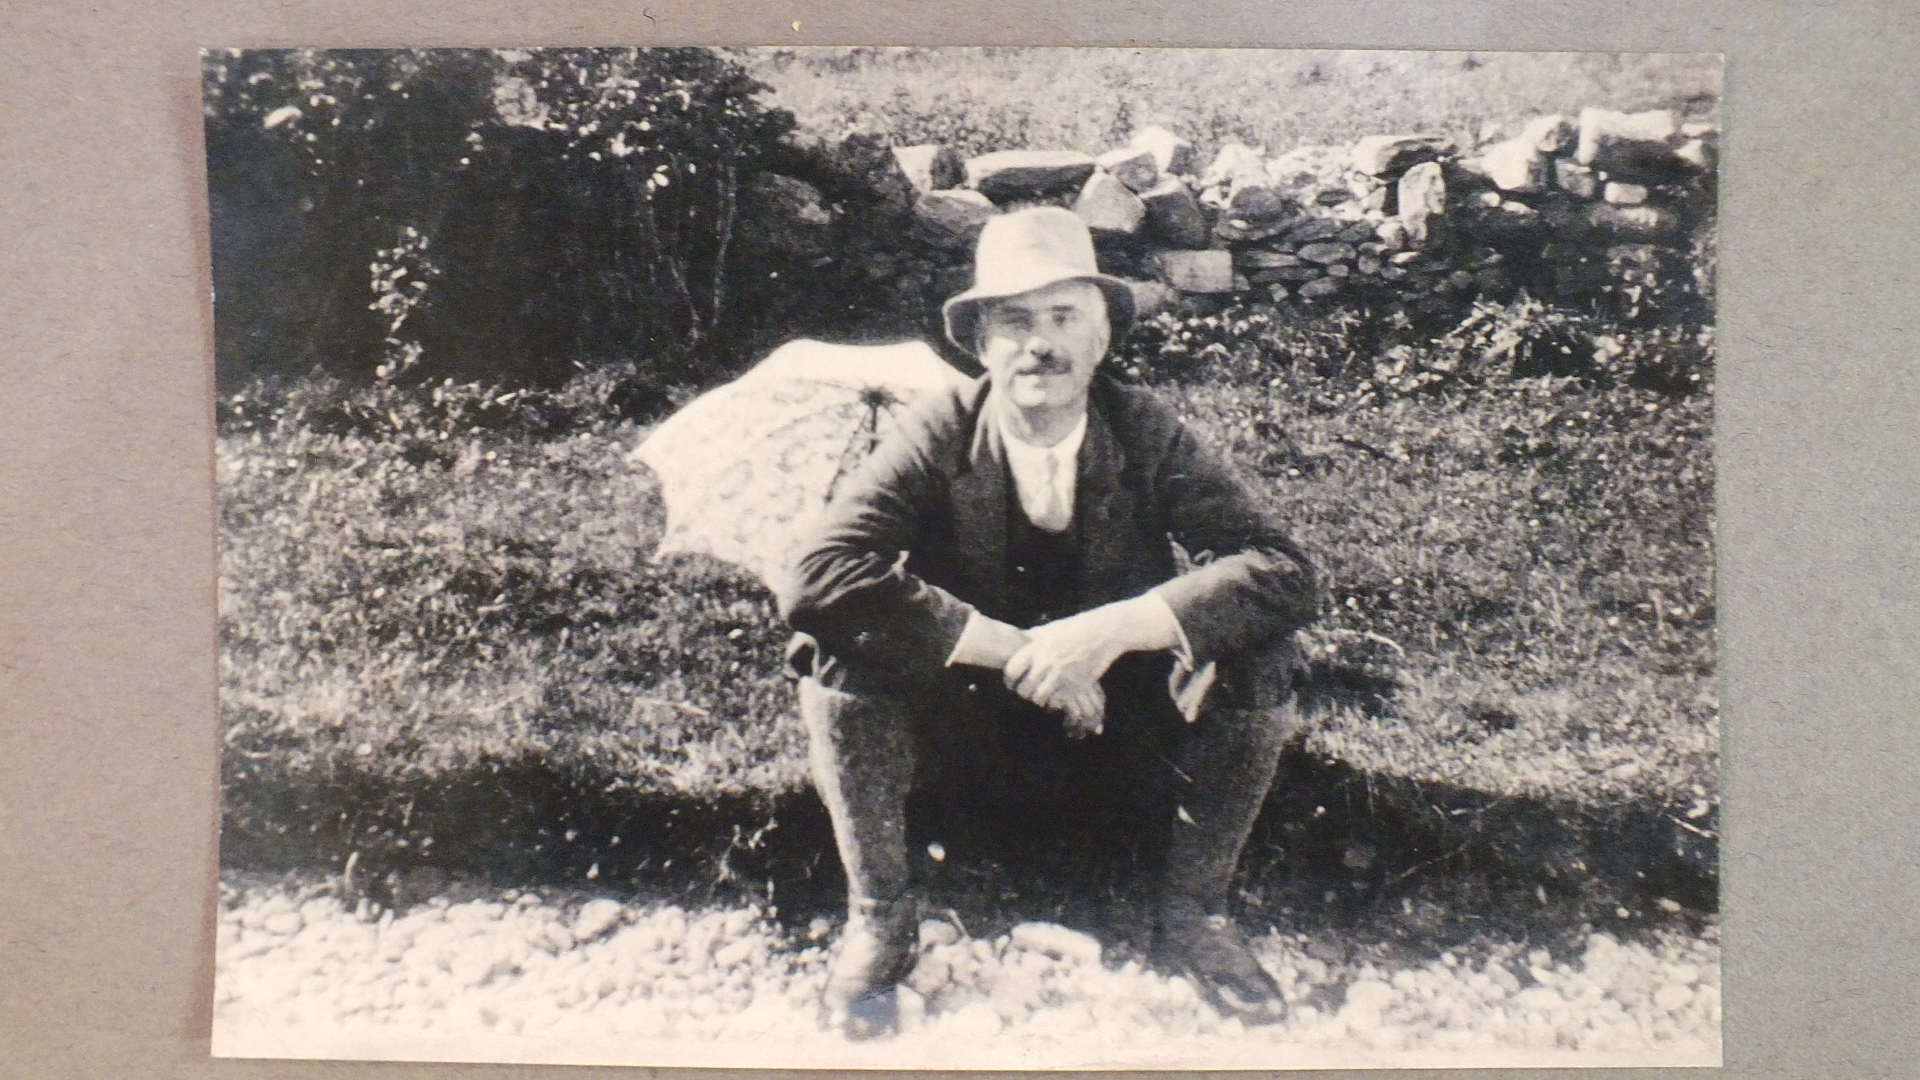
(1556, 207)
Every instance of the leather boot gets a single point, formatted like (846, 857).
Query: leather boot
(860, 749)
(1228, 764)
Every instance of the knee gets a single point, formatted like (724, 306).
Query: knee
(1262, 680)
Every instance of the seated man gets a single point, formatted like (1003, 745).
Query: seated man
(1005, 571)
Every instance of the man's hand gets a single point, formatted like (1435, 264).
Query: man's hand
(1061, 664)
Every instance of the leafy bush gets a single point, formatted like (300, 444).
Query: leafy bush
(581, 206)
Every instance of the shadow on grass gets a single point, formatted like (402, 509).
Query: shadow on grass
(1336, 854)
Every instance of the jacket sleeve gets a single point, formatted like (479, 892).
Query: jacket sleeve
(1252, 583)
(849, 586)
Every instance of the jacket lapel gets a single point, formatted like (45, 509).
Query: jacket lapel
(979, 494)
(1099, 527)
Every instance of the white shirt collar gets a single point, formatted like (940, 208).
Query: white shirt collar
(1029, 465)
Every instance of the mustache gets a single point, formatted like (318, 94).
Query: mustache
(1049, 364)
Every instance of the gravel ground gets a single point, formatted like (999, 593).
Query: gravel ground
(519, 977)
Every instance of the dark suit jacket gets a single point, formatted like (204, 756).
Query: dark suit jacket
(916, 540)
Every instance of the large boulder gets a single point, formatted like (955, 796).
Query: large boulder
(1631, 146)
(1548, 134)
(1133, 166)
(1017, 174)
(1175, 213)
(1171, 153)
(1603, 128)
(1515, 165)
(1321, 177)
(1387, 155)
(1108, 207)
(1423, 205)
(952, 218)
(1205, 271)
(930, 166)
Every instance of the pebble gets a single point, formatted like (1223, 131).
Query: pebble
(634, 971)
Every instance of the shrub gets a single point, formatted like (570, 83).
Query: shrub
(581, 206)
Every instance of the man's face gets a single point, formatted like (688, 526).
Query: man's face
(1040, 348)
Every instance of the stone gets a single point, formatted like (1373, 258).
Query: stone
(1515, 165)
(868, 163)
(1489, 199)
(1317, 229)
(1548, 134)
(1357, 232)
(1339, 270)
(1152, 297)
(1402, 258)
(1234, 165)
(937, 932)
(1206, 271)
(1698, 129)
(1321, 176)
(1108, 207)
(1575, 178)
(1171, 153)
(1175, 213)
(1673, 997)
(1319, 288)
(1367, 264)
(1392, 273)
(1392, 233)
(1697, 153)
(1014, 174)
(1423, 205)
(1620, 194)
(1385, 155)
(952, 218)
(930, 166)
(1327, 252)
(1237, 230)
(1133, 166)
(1258, 259)
(785, 214)
(1600, 128)
(1296, 273)
(1056, 941)
(1645, 222)
(1630, 146)
(1257, 202)
(596, 918)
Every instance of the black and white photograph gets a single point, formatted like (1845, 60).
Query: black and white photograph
(966, 558)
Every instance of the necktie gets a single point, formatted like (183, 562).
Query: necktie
(1055, 515)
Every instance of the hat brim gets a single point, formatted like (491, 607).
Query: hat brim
(962, 312)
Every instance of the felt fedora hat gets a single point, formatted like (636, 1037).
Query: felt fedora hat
(1030, 249)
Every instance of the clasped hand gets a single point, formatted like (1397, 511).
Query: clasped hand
(1061, 664)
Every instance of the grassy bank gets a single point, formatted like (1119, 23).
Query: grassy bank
(444, 638)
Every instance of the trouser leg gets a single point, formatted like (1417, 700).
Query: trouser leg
(860, 750)
(1226, 765)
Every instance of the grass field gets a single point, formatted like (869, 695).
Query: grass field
(988, 99)
(444, 636)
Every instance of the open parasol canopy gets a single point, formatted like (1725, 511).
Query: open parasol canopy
(746, 467)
